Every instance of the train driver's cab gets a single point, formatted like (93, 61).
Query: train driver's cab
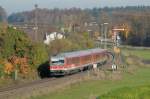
(55, 61)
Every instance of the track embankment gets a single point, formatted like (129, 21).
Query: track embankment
(43, 86)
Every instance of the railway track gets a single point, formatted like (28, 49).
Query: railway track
(24, 85)
(26, 90)
(13, 91)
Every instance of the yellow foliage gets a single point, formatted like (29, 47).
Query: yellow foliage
(21, 62)
(96, 34)
(8, 68)
(117, 50)
(24, 68)
(127, 29)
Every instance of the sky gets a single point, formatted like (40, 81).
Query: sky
(23, 5)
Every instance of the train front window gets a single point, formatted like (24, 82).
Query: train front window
(57, 62)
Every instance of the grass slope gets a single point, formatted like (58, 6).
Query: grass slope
(138, 92)
(139, 80)
(87, 89)
(144, 54)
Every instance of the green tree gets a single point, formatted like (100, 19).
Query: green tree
(15, 43)
(74, 41)
(38, 54)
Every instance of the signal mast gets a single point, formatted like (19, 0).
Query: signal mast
(116, 43)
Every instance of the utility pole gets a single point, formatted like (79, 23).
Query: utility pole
(102, 33)
(36, 25)
(105, 34)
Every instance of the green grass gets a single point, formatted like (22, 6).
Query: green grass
(87, 89)
(138, 92)
(144, 54)
(127, 87)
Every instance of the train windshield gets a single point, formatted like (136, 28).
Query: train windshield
(57, 62)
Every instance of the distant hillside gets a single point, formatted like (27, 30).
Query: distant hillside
(136, 19)
(76, 15)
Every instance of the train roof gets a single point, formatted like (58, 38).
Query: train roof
(79, 53)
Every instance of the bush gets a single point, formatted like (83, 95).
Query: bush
(15, 43)
(74, 41)
(39, 54)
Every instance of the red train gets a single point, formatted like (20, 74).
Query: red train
(67, 63)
